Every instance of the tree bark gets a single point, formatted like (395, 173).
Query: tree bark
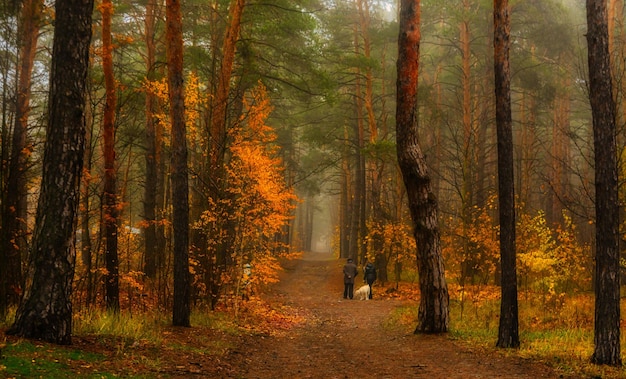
(508, 331)
(178, 169)
(220, 104)
(603, 108)
(151, 157)
(46, 310)
(112, 290)
(433, 316)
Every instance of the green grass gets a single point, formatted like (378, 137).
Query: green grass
(26, 359)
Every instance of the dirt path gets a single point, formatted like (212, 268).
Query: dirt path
(347, 339)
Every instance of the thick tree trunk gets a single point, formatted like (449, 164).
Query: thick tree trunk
(433, 314)
(46, 310)
(178, 170)
(607, 272)
(508, 334)
(112, 290)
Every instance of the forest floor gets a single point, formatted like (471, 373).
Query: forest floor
(323, 336)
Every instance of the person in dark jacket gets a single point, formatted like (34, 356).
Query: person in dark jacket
(370, 275)
(349, 273)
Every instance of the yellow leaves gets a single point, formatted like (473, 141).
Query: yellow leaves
(537, 261)
(194, 101)
(550, 259)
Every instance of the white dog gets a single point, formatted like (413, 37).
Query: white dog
(362, 293)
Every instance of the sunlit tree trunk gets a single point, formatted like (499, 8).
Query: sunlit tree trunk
(433, 315)
(14, 204)
(218, 145)
(112, 291)
(607, 272)
(508, 333)
(46, 310)
(178, 169)
(220, 101)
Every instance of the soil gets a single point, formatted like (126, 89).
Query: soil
(322, 337)
(347, 339)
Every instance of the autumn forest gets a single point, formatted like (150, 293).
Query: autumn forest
(220, 138)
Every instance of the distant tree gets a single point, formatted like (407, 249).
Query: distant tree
(46, 310)
(178, 169)
(14, 204)
(434, 309)
(607, 272)
(508, 331)
(152, 155)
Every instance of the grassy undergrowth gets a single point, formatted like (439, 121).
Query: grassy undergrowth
(107, 345)
(558, 333)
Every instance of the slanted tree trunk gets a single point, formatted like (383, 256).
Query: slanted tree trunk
(607, 272)
(112, 288)
(46, 310)
(178, 169)
(508, 333)
(433, 316)
(14, 202)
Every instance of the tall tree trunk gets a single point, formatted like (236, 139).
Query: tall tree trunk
(86, 251)
(607, 271)
(112, 289)
(46, 310)
(14, 203)
(178, 169)
(508, 331)
(434, 312)
(345, 215)
(360, 185)
(468, 261)
(151, 156)
(220, 103)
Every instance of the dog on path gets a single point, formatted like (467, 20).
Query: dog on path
(363, 293)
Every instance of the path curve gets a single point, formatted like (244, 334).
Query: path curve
(347, 338)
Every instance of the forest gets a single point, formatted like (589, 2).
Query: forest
(220, 138)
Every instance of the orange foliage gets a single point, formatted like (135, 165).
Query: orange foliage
(272, 320)
(257, 204)
(551, 260)
(194, 100)
(472, 248)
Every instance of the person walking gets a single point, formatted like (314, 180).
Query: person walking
(349, 273)
(370, 275)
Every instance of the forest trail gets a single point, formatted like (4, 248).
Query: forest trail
(302, 328)
(347, 338)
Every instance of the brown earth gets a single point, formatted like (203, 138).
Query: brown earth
(313, 333)
(351, 339)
